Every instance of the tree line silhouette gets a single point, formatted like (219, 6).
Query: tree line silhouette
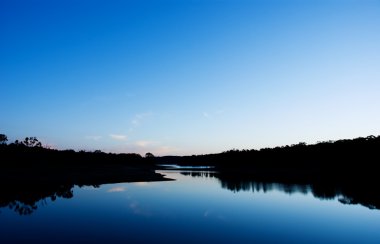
(30, 152)
(345, 167)
(31, 173)
(349, 155)
(361, 154)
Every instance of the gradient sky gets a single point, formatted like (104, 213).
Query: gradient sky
(188, 77)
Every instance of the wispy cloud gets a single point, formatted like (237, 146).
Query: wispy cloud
(118, 137)
(93, 138)
(144, 143)
(154, 147)
(164, 150)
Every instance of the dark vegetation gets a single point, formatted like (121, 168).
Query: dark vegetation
(356, 158)
(31, 153)
(30, 173)
(330, 155)
(29, 161)
(345, 168)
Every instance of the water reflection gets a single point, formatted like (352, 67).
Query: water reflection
(349, 192)
(199, 207)
(25, 197)
(24, 191)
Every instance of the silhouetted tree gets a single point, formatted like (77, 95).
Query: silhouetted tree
(3, 139)
(149, 155)
(32, 142)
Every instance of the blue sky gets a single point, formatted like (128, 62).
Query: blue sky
(188, 77)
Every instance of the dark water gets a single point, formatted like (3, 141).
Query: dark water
(196, 208)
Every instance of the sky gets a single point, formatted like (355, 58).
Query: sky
(188, 76)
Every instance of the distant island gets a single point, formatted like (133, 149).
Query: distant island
(30, 172)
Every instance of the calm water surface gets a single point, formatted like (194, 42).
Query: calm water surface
(191, 210)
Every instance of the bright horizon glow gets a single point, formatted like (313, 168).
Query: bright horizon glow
(189, 77)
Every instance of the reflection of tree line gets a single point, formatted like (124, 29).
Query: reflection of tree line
(348, 192)
(24, 199)
(24, 189)
(201, 174)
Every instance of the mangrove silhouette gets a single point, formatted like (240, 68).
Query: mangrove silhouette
(362, 193)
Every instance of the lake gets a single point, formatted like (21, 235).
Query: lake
(197, 207)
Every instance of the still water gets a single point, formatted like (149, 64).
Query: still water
(195, 208)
